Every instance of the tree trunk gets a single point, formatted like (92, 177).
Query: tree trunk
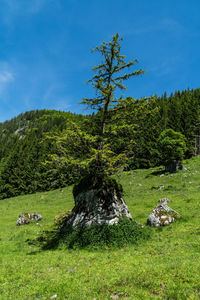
(174, 166)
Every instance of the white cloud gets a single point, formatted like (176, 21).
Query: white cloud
(171, 25)
(163, 25)
(53, 100)
(17, 7)
(5, 77)
(62, 105)
(167, 66)
(48, 93)
(11, 10)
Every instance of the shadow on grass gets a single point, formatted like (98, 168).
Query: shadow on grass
(94, 237)
(157, 173)
(49, 239)
(33, 252)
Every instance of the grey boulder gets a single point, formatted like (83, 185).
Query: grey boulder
(96, 207)
(162, 214)
(27, 218)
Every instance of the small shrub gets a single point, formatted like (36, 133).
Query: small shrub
(100, 236)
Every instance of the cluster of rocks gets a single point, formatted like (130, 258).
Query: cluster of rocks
(92, 208)
(162, 214)
(28, 218)
(96, 207)
(103, 204)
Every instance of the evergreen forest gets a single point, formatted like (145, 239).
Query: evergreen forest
(46, 149)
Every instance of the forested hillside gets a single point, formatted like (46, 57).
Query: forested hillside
(46, 149)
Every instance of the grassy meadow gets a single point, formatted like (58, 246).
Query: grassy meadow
(167, 266)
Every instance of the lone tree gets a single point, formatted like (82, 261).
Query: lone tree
(109, 76)
(172, 147)
(98, 197)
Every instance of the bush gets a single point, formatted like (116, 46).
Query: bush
(171, 146)
(100, 236)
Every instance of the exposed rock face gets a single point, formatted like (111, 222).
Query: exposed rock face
(162, 214)
(96, 207)
(27, 218)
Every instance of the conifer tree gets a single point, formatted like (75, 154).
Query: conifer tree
(109, 76)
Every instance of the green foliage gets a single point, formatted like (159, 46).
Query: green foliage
(24, 152)
(140, 120)
(32, 154)
(75, 155)
(172, 146)
(96, 180)
(100, 236)
(72, 150)
(109, 77)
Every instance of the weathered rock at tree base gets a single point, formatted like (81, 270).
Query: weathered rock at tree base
(60, 219)
(162, 214)
(96, 207)
(27, 218)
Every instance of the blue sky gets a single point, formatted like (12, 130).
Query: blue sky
(45, 57)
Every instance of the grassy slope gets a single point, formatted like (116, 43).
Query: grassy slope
(165, 267)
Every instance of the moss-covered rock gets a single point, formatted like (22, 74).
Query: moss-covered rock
(98, 200)
(162, 214)
(94, 181)
(26, 218)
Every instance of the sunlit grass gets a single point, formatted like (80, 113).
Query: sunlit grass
(167, 266)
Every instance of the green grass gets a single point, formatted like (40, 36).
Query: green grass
(167, 266)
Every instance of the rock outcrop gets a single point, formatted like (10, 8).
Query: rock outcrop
(162, 214)
(96, 207)
(27, 218)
